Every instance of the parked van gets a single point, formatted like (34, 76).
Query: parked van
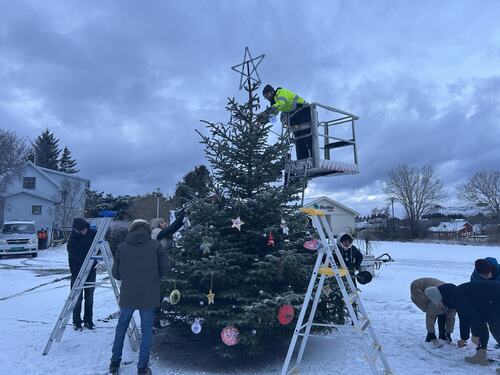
(18, 237)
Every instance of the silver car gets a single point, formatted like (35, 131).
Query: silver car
(18, 237)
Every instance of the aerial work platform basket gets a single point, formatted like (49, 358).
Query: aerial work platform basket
(334, 150)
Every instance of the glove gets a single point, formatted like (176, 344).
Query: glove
(475, 340)
(461, 343)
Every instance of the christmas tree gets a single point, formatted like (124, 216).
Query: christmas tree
(47, 150)
(241, 262)
(66, 163)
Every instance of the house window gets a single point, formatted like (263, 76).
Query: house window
(29, 183)
(36, 210)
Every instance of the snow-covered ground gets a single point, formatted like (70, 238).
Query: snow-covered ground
(27, 320)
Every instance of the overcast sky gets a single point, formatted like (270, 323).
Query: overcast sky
(124, 84)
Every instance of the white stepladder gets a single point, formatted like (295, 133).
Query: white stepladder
(99, 251)
(326, 266)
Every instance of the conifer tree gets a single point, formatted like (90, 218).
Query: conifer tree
(66, 163)
(242, 257)
(46, 149)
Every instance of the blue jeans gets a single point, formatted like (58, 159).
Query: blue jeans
(146, 333)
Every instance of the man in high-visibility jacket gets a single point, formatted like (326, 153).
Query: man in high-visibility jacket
(287, 102)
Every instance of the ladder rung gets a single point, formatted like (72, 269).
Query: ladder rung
(352, 297)
(374, 352)
(365, 323)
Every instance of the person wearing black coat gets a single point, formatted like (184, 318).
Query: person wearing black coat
(478, 304)
(352, 256)
(78, 246)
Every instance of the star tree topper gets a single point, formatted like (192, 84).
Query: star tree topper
(247, 69)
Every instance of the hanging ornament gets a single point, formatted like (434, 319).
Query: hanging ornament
(196, 326)
(313, 244)
(327, 290)
(206, 245)
(270, 240)
(175, 296)
(254, 332)
(284, 227)
(230, 335)
(211, 295)
(285, 314)
(237, 223)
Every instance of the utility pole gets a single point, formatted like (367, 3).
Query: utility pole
(158, 194)
(393, 223)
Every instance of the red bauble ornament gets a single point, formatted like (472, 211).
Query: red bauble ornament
(312, 244)
(270, 240)
(285, 314)
(230, 335)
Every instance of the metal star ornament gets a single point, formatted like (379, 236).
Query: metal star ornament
(247, 68)
(237, 223)
(211, 297)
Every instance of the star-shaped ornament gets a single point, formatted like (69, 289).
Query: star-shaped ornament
(247, 68)
(211, 297)
(237, 223)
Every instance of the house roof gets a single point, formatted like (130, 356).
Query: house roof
(32, 193)
(70, 175)
(309, 201)
(43, 173)
(449, 227)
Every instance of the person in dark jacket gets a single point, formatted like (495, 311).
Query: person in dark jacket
(140, 262)
(78, 246)
(478, 303)
(167, 232)
(352, 256)
(486, 269)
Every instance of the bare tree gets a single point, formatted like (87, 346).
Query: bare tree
(14, 153)
(72, 201)
(416, 189)
(144, 207)
(482, 189)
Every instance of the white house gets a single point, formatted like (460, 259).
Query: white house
(51, 198)
(341, 218)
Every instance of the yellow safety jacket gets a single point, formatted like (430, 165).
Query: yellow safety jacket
(286, 101)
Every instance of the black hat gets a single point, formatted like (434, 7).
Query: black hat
(267, 89)
(80, 224)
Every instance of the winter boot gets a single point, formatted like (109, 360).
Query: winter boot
(89, 325)
(144, 371)
(480, 358)
(430, 336)
(77, 326)
(114, 367)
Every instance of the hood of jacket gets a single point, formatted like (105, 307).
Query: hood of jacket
(339, 243)
(137, 236)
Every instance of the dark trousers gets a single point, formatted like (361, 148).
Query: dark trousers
(494, 325)
(303, 146)
(441, 325)
(88, 294)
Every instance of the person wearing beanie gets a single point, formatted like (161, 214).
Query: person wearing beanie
(426, 296)
(352, 256)
(78, 246)
(140, 263)
(294, 112)
(478, 305)
(486, 269)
